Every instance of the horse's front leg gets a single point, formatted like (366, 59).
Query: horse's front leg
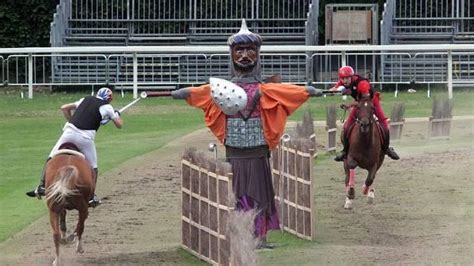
(349, 167)
(368, 189)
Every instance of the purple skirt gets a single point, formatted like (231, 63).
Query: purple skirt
(253, 189)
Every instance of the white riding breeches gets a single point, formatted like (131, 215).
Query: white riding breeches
(86, 145)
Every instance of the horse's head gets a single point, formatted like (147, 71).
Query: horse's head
(365, 113)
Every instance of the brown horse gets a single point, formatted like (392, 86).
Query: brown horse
(69, 182)
(365, 150)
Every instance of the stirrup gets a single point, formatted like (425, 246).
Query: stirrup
(94, 201)
(37, 192)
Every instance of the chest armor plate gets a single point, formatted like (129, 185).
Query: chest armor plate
(244, 134)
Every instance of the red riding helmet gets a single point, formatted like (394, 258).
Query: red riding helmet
(345, 71)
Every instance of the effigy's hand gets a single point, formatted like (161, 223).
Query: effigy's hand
(318, 93)
(313, 92)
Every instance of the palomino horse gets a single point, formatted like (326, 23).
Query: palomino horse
(69, 182)
(365, 150)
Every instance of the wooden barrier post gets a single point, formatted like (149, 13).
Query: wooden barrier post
(331, 128)
(439, 126)
(397, 121)
(305, 130)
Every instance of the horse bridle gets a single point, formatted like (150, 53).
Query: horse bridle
(371, 118)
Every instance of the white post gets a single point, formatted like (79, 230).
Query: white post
(30, 76)
(135, 76)
(450, 74)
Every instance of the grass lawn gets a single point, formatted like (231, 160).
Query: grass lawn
(30, 128)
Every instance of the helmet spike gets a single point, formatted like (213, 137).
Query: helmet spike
(244, 36)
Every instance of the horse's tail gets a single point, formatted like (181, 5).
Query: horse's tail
(64, 185)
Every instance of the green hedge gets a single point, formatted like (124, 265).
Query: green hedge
(26, 23)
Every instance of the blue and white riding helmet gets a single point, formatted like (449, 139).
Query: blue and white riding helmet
(104, 94)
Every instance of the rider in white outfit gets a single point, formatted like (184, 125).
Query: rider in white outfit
(89, 113)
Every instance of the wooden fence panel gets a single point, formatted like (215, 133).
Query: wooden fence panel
(205, 211)
(292, 172)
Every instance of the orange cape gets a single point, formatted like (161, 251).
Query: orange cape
(277, 102)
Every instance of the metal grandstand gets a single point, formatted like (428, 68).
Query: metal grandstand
(180, 22)
(428, 22)
(152, 44)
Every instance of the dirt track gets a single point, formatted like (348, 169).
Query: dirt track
(422, 215)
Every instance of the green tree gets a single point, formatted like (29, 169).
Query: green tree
(26, 23)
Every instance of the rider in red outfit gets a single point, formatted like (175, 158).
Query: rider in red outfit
(357, 87)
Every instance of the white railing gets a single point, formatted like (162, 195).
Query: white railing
(29, 66)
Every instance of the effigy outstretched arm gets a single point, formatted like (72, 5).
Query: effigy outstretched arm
(181, 93)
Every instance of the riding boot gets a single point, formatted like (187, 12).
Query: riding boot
(96, 173)
(345, 142)
(389, 151)
(95, 201)
(40, 190)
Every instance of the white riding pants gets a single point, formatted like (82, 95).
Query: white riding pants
(85, 144)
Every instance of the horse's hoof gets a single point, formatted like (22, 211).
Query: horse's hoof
(371, 196)
(79, 249)
(348, 204)
(56, 262)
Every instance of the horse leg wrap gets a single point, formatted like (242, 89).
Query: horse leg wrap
(365, 189)
(351, 177)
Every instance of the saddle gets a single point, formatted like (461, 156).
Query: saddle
(72, 149)
(69, 148)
